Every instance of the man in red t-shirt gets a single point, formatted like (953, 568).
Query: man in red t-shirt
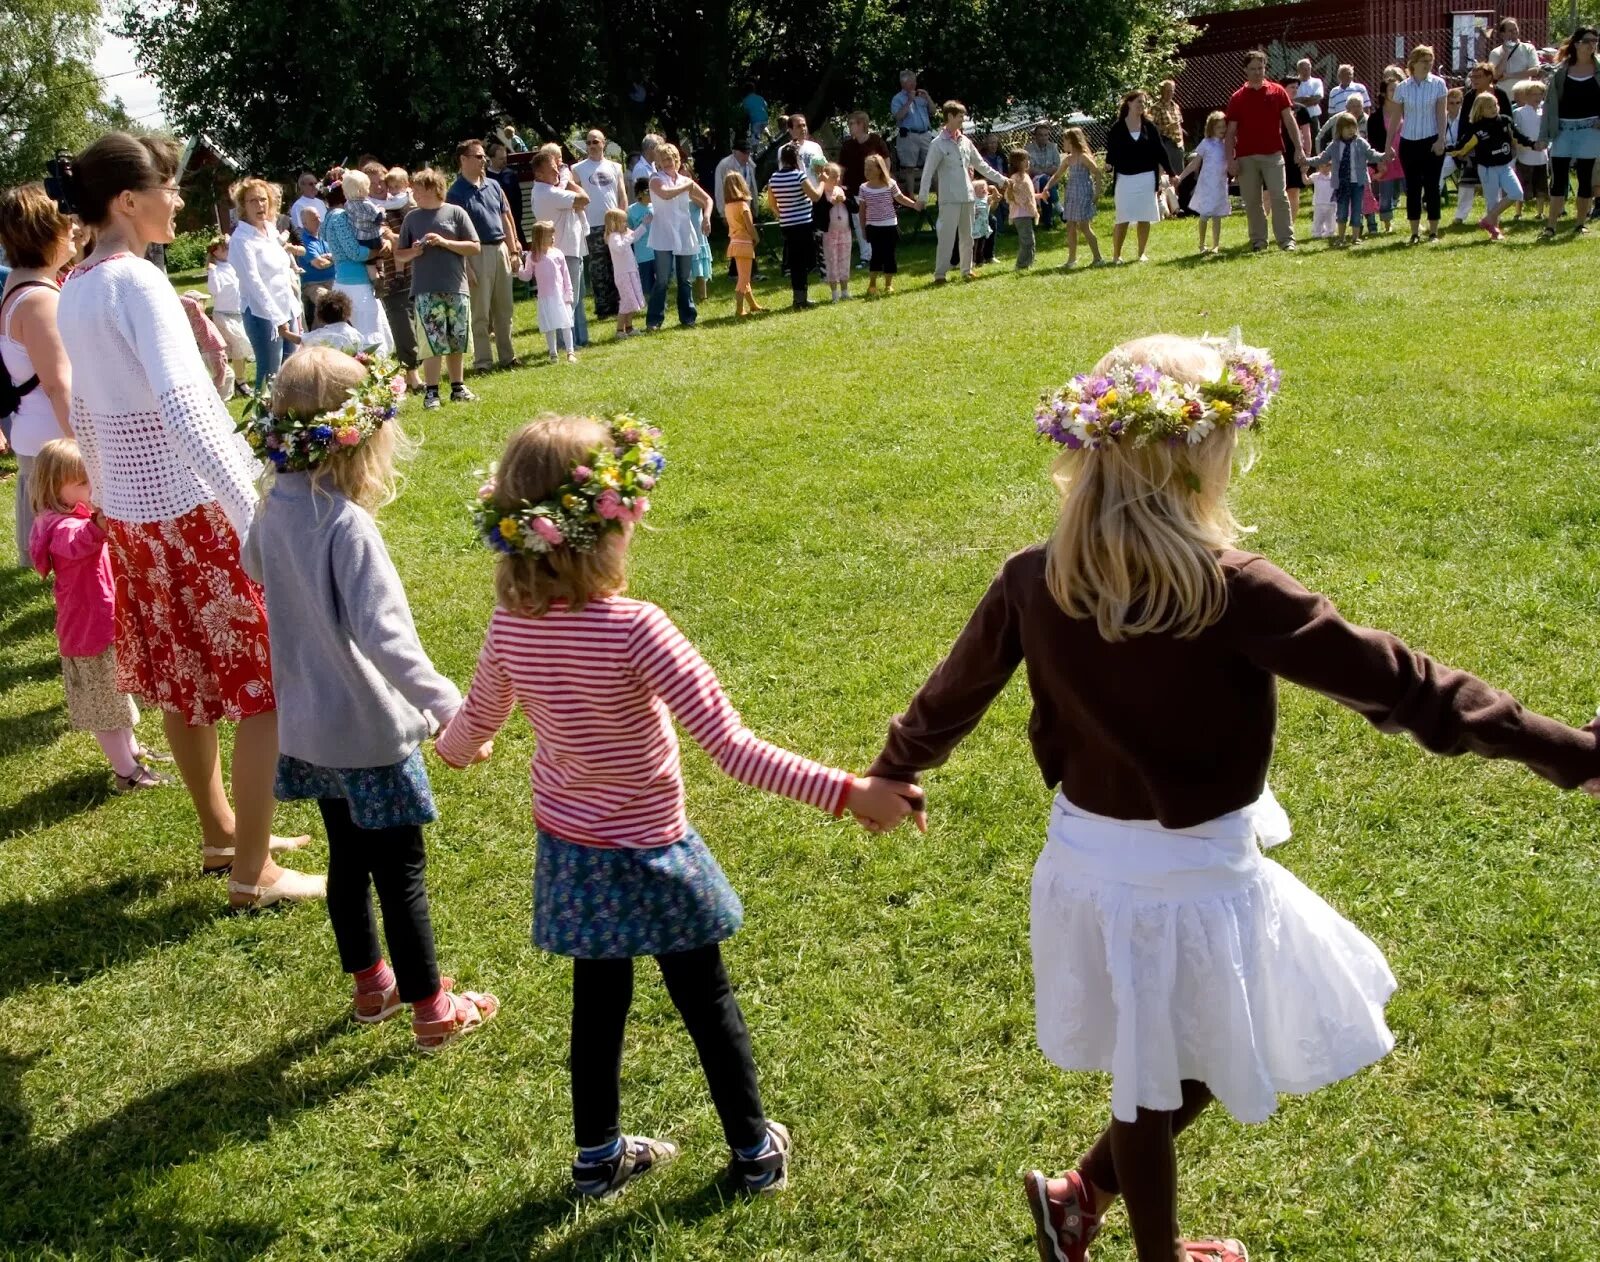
(1258, 116)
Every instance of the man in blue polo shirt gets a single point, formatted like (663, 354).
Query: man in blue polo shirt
(913, 114)
(485, 203)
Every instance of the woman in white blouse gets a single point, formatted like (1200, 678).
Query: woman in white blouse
(266, 278)
(1418, 131)
(177, 489)
(673, 198)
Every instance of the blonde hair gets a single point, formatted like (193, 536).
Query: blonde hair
(1347, 127)
(1074, 139)
(664, 148)
(319, 379)
(397, 176)
(356, 185)
(616, 220)
(1418, 53)
(543, 236)
(537, 462)
(1214, 118)
(833, 171)
(244, 189)
(875, 165)
(734, 188)
(58, 463)
(429, 180)
(1484, 104)
(1136, 544)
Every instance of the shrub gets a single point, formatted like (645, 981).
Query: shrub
(187, 252)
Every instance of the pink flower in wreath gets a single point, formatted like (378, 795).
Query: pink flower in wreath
(548, 531)
(609, 505)
(486, 491)
(582, 474)
(645, 482)
(641, 506)
(349, 436)
(398, 387)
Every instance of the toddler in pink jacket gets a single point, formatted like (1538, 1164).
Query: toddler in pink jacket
(68, 541)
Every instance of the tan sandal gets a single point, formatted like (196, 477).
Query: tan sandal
(469, 1010)
(1214, 1251)
(218, 860)
(290, 887)
(374, 1006)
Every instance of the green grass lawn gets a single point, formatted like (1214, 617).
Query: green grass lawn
(175, 1082)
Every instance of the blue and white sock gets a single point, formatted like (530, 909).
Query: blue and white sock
(601, 1154)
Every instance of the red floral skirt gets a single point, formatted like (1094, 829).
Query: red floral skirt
(191, 626)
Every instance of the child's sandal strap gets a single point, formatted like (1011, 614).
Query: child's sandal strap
(1215, 1250)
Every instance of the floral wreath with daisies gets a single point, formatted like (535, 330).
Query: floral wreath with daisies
(1138, 404)
(608, 491)
(298, 444)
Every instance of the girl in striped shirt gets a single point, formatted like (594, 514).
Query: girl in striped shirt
(620, 871)
(880, 222)
(791, 195)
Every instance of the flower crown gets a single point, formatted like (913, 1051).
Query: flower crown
(1139, 404)
(296, 444)
(609, 489)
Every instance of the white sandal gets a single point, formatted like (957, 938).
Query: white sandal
(290, 887)
(218, 860)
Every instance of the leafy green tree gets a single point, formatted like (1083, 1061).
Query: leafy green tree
(50, 98)
(285, 82)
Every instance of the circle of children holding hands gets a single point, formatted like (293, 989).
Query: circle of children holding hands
(1167, 949)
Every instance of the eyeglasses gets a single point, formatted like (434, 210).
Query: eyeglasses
(476, 157)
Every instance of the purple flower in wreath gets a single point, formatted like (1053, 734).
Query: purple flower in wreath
(1088, 413)
(272, 441)
(279, 458)
(1094, 387)
(1072, 440)
(1146, 378)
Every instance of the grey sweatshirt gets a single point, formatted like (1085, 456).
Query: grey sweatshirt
(354, 686)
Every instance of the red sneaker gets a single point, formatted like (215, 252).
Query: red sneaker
(1064, 1223)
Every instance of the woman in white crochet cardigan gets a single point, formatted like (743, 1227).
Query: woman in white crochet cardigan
(177, 488)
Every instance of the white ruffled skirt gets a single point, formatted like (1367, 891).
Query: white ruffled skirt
(1161, 955)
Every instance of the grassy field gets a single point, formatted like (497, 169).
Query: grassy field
(175, 1082)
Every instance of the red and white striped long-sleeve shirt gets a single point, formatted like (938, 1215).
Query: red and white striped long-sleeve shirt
(601, 688)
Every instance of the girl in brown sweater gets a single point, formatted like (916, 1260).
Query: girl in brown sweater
(1166, 949)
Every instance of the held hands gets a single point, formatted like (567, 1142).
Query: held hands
(881, 804)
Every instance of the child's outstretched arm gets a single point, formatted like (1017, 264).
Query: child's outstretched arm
(954, 698)
(1300, 636)
(482, 714)
(673, 669)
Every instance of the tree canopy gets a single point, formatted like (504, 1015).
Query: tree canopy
(50, 97)
(312, 81)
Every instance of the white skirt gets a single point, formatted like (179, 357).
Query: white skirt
(1136, 198)
(1161, 955)
(368, 315)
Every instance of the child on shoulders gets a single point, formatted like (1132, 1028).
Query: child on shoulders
(1166, 948)
(620, 872)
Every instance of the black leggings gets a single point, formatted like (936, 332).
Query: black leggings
(602, 991)
(1558, 176)
(1423, 168)
(1139, 1161)
(885, 242)
(393, 860)
(799, 256)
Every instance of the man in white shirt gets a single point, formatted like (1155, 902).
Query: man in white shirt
(809, 150)
(563, 203)
(308, 200)
(952, 160)
(645, 167)
(1311, 91)
(1345, 89)
(1511, 58)
(607, 187)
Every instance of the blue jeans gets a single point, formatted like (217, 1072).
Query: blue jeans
(647, 275)
(266, 344)
(580, 321)
(1347, 198)
(666, 264)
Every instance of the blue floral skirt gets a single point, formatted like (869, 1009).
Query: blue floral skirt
(601, 904)
(379, 797)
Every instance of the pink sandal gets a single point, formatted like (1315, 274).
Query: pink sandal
(1215, 1251)
(468, 1011)
(375, 1006)
(1063, 1221)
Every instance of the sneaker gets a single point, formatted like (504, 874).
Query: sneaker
(1143, 258)
(1547, 233)
(142, 778)
(1582, 230)
(945, 280)
(460, 394)
(770, 1171)
(572, 357)
(430, 400)
(1063, 1227)
(1289, 247)
(640, 1154)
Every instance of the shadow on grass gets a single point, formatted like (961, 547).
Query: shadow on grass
(19, 732)
(510, 1234)
(54, 803)
(72, 937)
(69, 1194)
(13, 673)
(41, 617)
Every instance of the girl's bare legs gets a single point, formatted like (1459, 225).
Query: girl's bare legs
(1072, 244)
(1092, 241)
(255, 762)
(1202, 236)
(1216, 234)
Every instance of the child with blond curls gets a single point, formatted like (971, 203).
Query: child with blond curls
(357, 694)
(1167, 949)
(620, 872)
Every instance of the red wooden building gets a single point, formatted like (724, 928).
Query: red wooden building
(1368, 34)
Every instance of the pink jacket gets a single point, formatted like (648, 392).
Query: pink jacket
(75, 548)
(551, 269)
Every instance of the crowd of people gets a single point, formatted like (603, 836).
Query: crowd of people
(179, 580)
